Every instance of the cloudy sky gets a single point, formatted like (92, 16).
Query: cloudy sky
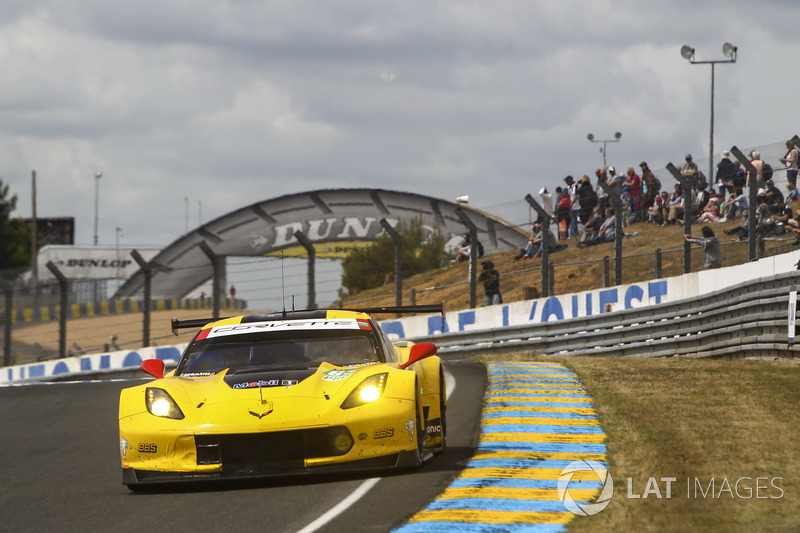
(191, 109)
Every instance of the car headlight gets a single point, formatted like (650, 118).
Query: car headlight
(160, 403)
(368, 391)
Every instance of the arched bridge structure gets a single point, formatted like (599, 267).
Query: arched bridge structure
(332, 220)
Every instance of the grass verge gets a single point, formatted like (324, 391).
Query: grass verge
(698, 421)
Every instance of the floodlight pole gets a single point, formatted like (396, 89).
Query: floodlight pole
(688, 54)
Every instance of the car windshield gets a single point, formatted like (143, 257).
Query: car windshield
(206, 358)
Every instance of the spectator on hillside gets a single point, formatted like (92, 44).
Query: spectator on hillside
(634, 184)
(736, 205)
(782, 214)
(575, 206)
(651, 183)
(659, 211)
(607, 230)
(690, 172)
(772, 195)
(592, 226)
(740, 180)
(790, 161)
(602, 196)
(711, 212)
(614, 181)
(794, 193)
(546, 200)
(755, 160)
(713, 250)
(726, 173)
(675, 206)
(491, 283)
(463, 250)
(587, 199)
(562, 215)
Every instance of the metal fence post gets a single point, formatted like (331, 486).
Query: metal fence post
(63, 285)
(9, 296)
(312, 255)
(606, 273)
(658, 263)
(688, 213)
(146, 308)
(473, 255)
(751, 201)
(546, 236)
(216, 281)
(398, 261)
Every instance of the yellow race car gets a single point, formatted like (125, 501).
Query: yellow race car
(284, 393)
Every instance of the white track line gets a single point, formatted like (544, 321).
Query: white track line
(366, 486)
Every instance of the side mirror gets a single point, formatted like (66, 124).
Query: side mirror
(154, 367)
(418, 352)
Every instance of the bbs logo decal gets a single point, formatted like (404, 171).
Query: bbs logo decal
(147, 447)
(383, 433)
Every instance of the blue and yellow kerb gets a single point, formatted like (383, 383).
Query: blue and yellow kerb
(537, 419)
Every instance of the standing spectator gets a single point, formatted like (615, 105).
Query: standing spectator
(602, 196)
(690, 172)
(651, 183)
(755, 160)
(790, 162)
(614, 181)
(232, 292)
(491, 283)
(740, 180)
(547, 201)
(726, 173)
(587, 199)
(634, 184)
(575, 206)
(562, 215)
(713, 250)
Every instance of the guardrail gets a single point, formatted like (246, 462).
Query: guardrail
(750, 319)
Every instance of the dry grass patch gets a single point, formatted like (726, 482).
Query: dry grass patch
(696, 421)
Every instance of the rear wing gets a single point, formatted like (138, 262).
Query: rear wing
(196, 323)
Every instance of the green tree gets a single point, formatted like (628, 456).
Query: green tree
(423, 250)
(15, 234)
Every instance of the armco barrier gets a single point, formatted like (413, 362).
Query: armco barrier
(749, 319)
(661, 318)
(101, 365)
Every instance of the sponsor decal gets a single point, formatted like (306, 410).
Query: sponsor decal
(410, 426)
(337, 374)
(283, 325)
(383, 433)
(147, 447)
(364, 324)
(259, 383)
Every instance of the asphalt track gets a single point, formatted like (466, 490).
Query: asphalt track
(60, 471)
